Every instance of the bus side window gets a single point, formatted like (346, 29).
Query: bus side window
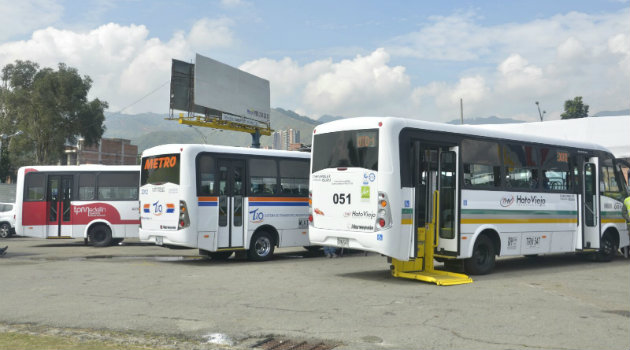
(34, 184)
(482, 165)
(556, 170)
(87, 186)
(206, 175)
(294, 177)
(521, 166)
(263, 176)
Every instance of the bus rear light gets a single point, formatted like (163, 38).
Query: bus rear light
(310, 207)
(384, 214)
(184, 220)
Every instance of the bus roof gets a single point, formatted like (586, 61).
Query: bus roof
(396, 123)
(82, 167)
(178, 148)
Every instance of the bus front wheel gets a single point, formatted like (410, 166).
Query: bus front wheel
(5, 230)
(483, 258)
(101, 236)
(262, 247)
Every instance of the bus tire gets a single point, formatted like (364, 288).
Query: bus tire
(608, 248)
(261, 247)
(101, 236)
(5, 230)
(483, 257)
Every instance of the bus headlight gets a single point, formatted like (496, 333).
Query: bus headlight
(184, 220)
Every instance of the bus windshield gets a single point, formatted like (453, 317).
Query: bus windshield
(355, 148)
(161, 169)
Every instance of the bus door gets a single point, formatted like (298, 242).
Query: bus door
(231, 191)
(437, 171)
(590, 204)
(58, 199)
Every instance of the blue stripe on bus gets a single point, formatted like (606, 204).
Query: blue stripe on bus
(280, 204)
(208, 204)
(170, 210)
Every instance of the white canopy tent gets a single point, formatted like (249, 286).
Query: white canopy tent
(610, 132)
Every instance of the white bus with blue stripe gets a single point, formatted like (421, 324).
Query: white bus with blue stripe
(223, 199)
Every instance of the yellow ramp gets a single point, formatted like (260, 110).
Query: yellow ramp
(421, 268)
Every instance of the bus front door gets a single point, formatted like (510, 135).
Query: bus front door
(231, 192)
(590, 205)
(58, 199)
(449, 197)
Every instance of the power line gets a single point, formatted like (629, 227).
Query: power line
(143, 97)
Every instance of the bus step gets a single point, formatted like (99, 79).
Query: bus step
(441, 278)
(59, 237)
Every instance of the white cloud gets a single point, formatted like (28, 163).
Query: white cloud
(206, 34)
(124, 62)
(22, 17)
(360, 86)
(500, 69)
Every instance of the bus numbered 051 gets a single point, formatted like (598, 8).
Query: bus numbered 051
(98, 203)
(377, 183)
(223, 199)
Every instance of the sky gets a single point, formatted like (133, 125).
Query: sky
(413, 59)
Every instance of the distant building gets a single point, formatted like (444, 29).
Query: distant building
(283, 139)
(107, 152)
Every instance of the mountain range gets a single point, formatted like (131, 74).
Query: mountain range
(151, 129)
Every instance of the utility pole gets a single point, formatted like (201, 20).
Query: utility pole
(461, 111)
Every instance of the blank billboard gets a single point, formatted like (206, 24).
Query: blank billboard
(220, 87)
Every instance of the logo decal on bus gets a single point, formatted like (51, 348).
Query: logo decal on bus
(507, 200)
(318, 212)
(90, 211)
(257, 216)
(365, 192)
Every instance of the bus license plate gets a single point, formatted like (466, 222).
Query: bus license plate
(159, 240)
(342, 242)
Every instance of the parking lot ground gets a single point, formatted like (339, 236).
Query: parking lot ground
(352, 302)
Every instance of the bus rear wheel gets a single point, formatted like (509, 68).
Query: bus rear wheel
(261, 247)
(101, 236)
(608, 248)
(215, 255)
(483, 257)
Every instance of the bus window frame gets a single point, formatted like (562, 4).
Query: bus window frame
(247, 183)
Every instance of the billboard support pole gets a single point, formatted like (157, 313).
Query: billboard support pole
(256, 139)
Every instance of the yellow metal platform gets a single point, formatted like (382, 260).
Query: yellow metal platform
(421, 268)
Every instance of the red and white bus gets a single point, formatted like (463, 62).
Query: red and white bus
(96, 202)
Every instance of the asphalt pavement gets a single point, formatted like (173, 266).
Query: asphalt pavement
(351, 302)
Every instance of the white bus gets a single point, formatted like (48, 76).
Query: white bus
(223, 199)
(98, 203)
(378, 183)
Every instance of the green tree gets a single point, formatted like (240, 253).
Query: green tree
(575, 108)
(51, 108)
